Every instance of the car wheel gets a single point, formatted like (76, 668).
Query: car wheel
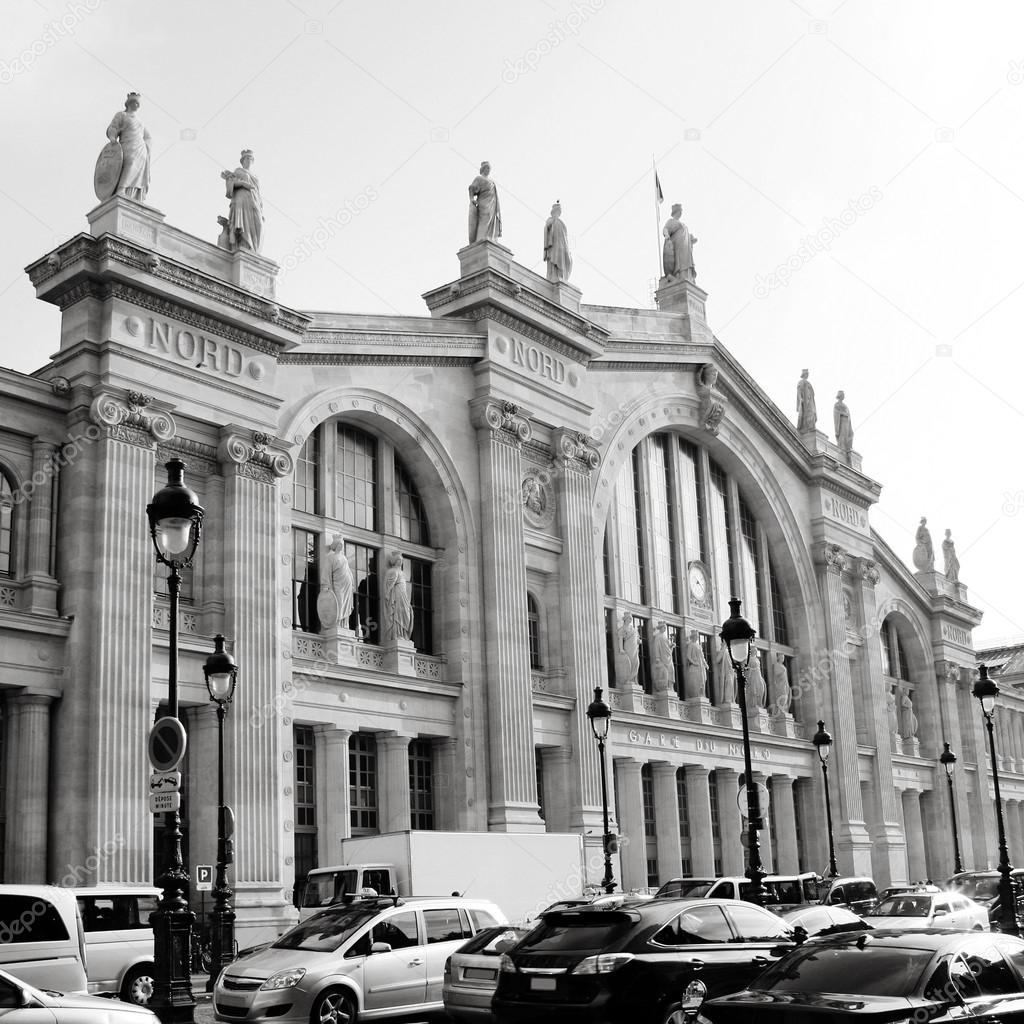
(137, 987)
(673, 1014)
(333, 1007)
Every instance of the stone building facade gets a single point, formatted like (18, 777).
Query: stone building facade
(576, 491)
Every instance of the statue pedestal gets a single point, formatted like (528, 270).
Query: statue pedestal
(897, 743)
(699, 709)
(911, 746)
(783, 725)
(729, 715)
(400, 657)
(759, 720)
(666, 704)
(340, 646)
(685, 297)
(631, 697)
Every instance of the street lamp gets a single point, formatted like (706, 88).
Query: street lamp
(600, 716)
(737, 634)
(175, 524)
(986, 691)
(947, 759)
(822, 740)
(221, 674)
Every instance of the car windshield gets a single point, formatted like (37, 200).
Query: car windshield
(977, 888)
(486, 941)
(689, 887)
(907, 905)
(860, 968)
(576, 931)
(326, 931)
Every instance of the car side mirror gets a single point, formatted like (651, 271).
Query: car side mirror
(799, 934)
(380, 947)
(693, 999)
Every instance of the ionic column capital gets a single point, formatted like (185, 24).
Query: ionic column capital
(503, 420)
(253, 453)
(131, 416)
(575, 450)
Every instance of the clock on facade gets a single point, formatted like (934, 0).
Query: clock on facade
(698, 579)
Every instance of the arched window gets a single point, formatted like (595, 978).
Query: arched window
(533, 632)
(6, 526)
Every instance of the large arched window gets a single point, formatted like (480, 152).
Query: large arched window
(6, 526)
(353, 483)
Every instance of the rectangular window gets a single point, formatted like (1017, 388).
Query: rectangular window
(305, 580)
(678, 653)
(778, 611)
(303, 742)
(663, 519)
(750, 570)
(421, 784)
(721, 529)
(611, 640)
(630, 543)
(422, 598)
(356, 477)
(533, 632)
(538, 764)
(650, 823)
(306, 488)
(362, 783)
(366, 606)
(682, 800)
(716, 828)
(6, 526)
(885, 640)
(412, 517)
(643, 675)
(692, 487)
(798, 824)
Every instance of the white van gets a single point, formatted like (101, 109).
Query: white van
(119, 939)
(41, 937)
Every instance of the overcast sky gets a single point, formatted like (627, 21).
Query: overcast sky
(852, 170)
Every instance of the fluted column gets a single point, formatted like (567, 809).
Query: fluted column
(767, 854)
(917, 865)
(632, 847)
(42, 595)
(252, 465)
(332, 801)
(559, 772)
(393, 781)
(446, 812)
(28, 779)
(698, 802)
(730, 821)
(501, 432)
(1014, 837)
(666, 814)
(785, 824)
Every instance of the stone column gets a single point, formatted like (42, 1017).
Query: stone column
(446, 817)
(199, 779)
(698, 802)
(393, 781)
(913, 827)
(42, 594)
(501, 432)
(28, 779)
(785, 824)
(767, 857)
(559, 774)
(332, 803)
(731, 824)
(1014, 839)
(252, 463)
(632, 844)
(666, 814)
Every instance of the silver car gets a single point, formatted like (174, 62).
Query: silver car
(22, 1003)
(370, 958)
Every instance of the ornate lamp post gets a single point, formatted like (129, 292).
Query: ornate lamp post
(221, 674)
(986, 691)
(948, 759)
(822, 740)
(175, 523)
(737, 633)
(600, 716)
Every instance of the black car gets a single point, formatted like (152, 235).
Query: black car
(927, 975)
(631, 963)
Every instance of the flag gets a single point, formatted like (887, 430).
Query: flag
(658, 194)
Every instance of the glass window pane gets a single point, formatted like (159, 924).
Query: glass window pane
(721, 531)
(411, 515)
(306, 488)
(305, 580)
(362, 774)
(356, 477)
(631, 558)
(365, 619)
(6, 526)
(421, 596)
(663, 524)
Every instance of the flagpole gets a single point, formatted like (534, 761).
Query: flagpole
(657, 221)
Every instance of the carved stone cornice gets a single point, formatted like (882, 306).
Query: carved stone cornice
(869, 573)
(835, 559)
(575, 450)
(503, 420)
(128, 418)
(254, 454)
(200, 458)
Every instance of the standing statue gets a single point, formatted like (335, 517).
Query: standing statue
(662, 668)
(677, 252)
(950, 563)
(841, 418)
(484, 208)
(123, 164)
(778, 692)
(908, 720)
(726, 674)
(806, 411)
(245, 220)
(556, 246)
(756, 689)
(396, 607)
(695, 669)
(924, 553)
(334, 605)
(890, 706)
(712, 401)
(627, 662)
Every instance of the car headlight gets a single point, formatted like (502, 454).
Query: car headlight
(285, 979)
(603, 963)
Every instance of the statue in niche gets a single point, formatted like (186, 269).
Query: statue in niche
(662, 668)
(677, 251)
(556, 246)
(950, 563)
(123, 164)
(244, 228)
(908, 720)
(712, 401)
(695, 668)
(890, 705)
(334, 605)
(806, 411)
(841, 421)
(756, 689)
(924, 553)
(396, 606)
(627, 662)
(726, 674)
(484, 208)
(778, 692)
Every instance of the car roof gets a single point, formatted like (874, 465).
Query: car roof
(935, 939)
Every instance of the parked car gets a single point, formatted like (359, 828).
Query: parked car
(889, 976)
(859, 894)
(471, 972)
(630, 963)
(369, 958)
(983, 888)
(782, 890)
(119, 939)
(42, 941)
(916, 910)
(22, 1003)
(818, 919)
(895, 890)
(613, 899)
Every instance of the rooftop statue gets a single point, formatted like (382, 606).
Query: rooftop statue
(951, 564)
(484, 208)
(677, 252)
(841, 420)
(806, 411)
(556, 246)
(244, 227)
(924, 553)
(122, 167)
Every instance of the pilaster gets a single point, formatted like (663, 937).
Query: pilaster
(666, 814)
(28, 779)
(41, 598)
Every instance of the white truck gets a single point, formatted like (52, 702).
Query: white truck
(522, 872)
